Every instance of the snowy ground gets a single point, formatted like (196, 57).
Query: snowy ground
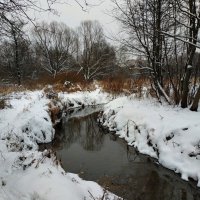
(26, 173)
(170, 134)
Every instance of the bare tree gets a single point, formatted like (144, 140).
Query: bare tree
(18, 9)
(12, 45)
(190, 14)
(97, 57)
(193, 14)
(166, 34)
(57, 44)
(142, 22)
(16, 12)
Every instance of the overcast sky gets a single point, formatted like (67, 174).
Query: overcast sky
(72, 14)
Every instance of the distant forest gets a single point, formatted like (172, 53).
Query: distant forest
(164, 34)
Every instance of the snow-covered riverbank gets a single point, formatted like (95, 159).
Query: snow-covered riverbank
(170, 134)
(26, 173)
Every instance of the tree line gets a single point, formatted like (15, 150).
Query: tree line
(54, 48)
(50, 47)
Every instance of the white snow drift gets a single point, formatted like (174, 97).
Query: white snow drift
(26, 173)
(171, 135)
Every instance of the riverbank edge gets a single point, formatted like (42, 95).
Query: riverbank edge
(137, 122)
(39, 175)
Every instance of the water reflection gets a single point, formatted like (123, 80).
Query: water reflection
(83, 148)
(82, 131)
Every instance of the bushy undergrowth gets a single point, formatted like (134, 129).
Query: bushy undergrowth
(67, 82)
(71, 82)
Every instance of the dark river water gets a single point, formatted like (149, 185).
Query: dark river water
(85, 149)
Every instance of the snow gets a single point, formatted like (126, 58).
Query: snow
(169, 134)
(27, 120)
(26, 173)
(189, 66)
(45, 180)
(95, 97)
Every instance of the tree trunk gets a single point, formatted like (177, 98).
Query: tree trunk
(158, 45)
(193, 33)
(184, 99)
(17, 57)
(195, 104)
(157, 48)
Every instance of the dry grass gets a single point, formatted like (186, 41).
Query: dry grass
(59, 79)
(54, 112)
(118, 85)
(7, 89)
(66, 82)
(77, 83)
(71, 82)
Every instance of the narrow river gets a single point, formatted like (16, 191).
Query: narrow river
(85, 149)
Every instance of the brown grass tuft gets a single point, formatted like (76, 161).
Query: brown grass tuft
(54, 112)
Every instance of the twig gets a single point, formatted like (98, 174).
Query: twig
(2, 156)
(91, 195)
